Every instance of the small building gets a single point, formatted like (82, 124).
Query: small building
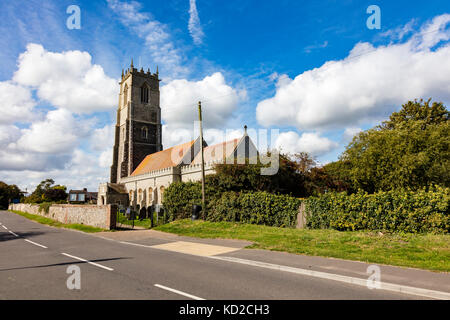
(82, 196)
(114, 193)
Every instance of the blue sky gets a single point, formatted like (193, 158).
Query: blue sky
(267, 64)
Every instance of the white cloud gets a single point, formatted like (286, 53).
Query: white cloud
(14, 161)
(214, 136)
(194, 26)
(102, 138)
(312, 47)
(17, 103)
(58, 133)
(364, 86)
(179, 101)
(433, 32)
(155, 34)
(282, 80)
(349, 133)
(78, 170)
(291, 142)
(46, 145)
(13, 158)
(174, 135)
(8, 134)
(177, 135)
(67, 80)
(400, 32)
(55, 144)
(106, 158)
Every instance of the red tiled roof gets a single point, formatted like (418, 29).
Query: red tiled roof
(168, 158)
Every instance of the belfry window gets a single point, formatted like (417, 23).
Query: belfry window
(144, 94)
(125, 95)
(144, 133)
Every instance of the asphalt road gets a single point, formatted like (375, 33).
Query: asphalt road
(34, 259)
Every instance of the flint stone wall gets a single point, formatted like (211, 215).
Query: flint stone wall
(103, 216)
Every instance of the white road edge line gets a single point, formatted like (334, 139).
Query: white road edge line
(36, 244)
(90, 262)
(178, 292)
(336, 277)
(13, 233)
(137, 244)
(4, 227)
(330, 276)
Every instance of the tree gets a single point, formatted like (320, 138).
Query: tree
(298, 175)
(418, 112)
(45, 192)
(305, 162)
(318, 180)
(247, 177)
(411, 150)
(56, 193)
(8, 193)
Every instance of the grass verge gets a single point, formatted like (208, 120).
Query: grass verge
(54, 223)
(424, 251)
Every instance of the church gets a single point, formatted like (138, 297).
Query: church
(141, 169)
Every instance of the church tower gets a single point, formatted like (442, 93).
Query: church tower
(138, 127)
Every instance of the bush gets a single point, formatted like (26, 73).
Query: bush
(405, 211)
(45, 206)
(179, 198)
(249, 207)
(256, 208)
(248, 178)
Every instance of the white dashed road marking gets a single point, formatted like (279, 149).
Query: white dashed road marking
(90, 262)
(4, 227)
(36, 244)
(178, 292)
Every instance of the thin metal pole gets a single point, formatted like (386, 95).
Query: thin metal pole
(203, 160)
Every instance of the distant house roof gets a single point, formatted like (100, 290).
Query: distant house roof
(168, 158)
(89, 195)
(83, 191)
(217, 152)
(79, 191)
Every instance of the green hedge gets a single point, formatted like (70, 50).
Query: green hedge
(256, 208)
(179, 198)
(406, 211)
(248, 207)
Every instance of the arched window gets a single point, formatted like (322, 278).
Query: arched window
(140, 196)
(144, 93)
(144, 133)
(162, 193)
(150, 195)
(125, 95)
(131, 196)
